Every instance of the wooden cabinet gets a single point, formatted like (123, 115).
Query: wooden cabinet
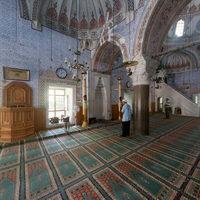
(17, 115)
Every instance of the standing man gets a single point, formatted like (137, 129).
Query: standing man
(167, 108)
(126, 118)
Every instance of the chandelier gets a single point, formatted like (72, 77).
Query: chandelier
(160, 76)
(74, 64)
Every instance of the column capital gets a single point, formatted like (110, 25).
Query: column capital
(139, 73)
(140, 78)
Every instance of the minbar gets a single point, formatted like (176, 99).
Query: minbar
(16, 123)
(17, 113)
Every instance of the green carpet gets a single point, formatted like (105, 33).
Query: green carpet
(96, 163)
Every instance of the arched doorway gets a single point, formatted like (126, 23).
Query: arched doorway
(107, 68)
(160, 104)
(100, 98)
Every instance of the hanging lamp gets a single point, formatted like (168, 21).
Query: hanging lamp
(129, 63)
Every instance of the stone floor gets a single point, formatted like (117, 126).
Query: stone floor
(98, 164)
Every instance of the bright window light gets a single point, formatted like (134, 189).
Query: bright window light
(60, 102)
(196, 99)
(180, 28)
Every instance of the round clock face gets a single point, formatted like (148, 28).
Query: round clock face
(61, 72)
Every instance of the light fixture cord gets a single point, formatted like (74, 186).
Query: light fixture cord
(129, 36)
(51, 34)
(113, 27)
(190, 23)
(16, 19)
(113, 37)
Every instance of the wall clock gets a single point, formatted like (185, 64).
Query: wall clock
(61, 72)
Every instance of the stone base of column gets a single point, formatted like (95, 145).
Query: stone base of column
(119, 110)
(141, 110)
(84, 124)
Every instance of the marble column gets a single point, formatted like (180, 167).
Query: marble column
(84, 100)
(141, 98)
(120, 97)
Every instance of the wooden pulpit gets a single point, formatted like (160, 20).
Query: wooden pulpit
(17, 113)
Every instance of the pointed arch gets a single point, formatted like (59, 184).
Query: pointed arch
(155, 22)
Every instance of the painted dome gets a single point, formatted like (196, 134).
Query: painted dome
(85, 17)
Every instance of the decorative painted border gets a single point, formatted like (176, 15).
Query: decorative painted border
(50, 173)
(14, 172)
(75, 189)
(64, 154)
(95, 176)
(165, 190)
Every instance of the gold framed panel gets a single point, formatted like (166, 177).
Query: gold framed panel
(16, 74)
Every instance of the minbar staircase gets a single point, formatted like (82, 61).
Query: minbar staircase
(188, 108)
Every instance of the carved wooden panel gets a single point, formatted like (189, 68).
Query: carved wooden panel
(16, 123)
(79, 116)
(17, 94)
(40, 119)
(115, 112)
(17, 117)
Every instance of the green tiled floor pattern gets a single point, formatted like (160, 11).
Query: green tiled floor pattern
(98, 164)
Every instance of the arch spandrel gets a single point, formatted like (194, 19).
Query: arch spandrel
(116, 42)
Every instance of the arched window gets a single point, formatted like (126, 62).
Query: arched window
(180, 28)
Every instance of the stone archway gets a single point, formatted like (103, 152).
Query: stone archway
(115, 41)
(107, 64)
(155, 22)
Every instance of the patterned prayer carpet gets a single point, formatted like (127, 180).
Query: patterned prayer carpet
(98, 164)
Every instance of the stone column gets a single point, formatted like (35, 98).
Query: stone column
(84, 100)
(120, 97)
(141, 98)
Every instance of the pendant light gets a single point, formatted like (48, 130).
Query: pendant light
(129, 63)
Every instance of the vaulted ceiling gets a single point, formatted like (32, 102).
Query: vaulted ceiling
(108, 58)
(68, 16)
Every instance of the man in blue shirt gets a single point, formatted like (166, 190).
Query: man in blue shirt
(126, 118)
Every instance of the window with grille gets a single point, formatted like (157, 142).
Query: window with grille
(58, 102)
(180, 28)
